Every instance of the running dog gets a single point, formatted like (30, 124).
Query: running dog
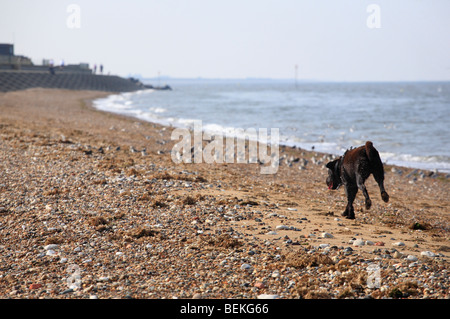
(351, 170)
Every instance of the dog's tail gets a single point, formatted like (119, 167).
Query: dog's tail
(369, 150)
(372, 153)
(377, 168)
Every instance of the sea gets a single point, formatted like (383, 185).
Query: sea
(408, 122)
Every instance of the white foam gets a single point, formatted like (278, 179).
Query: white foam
(412, 161)
(158, 110)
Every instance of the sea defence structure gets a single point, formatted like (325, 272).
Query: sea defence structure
(21, 80)
(19, 73)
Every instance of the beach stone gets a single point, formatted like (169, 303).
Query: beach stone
(260, 285)
(428, 253)
(246, 267)
(411, 258)
(327, 235)
(322, 246)
(399, 243)
(276, 274)
(51, 252)
(282, 227)
(397, 254)
(67, 291)
(359, 242)
(51, 247)
(35, 286)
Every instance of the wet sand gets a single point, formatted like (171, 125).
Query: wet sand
(92, 206)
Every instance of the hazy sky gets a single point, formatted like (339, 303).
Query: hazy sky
(338, 40)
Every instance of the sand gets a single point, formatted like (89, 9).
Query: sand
(92, 206)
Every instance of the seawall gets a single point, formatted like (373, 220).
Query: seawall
(20, 80)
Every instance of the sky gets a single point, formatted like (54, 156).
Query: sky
(328, 40)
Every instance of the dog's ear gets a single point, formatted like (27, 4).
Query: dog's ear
(331, 165)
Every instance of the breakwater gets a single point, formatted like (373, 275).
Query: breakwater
(20, 80)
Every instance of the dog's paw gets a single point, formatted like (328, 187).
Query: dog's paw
(368, 203)
(385, 197)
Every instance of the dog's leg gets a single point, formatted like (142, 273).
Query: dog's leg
(351, 191)
(346, 211)
(362, 187)
(378, 174)
(384, 194)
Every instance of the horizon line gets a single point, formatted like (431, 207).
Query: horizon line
(199, 78)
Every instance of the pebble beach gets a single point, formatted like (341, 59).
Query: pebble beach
(93, 207)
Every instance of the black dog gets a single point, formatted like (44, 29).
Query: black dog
(352, 170)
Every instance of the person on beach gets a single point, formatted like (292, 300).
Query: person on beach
(51, 67)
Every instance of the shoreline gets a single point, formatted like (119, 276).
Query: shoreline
(139, 225)
(418, 163)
